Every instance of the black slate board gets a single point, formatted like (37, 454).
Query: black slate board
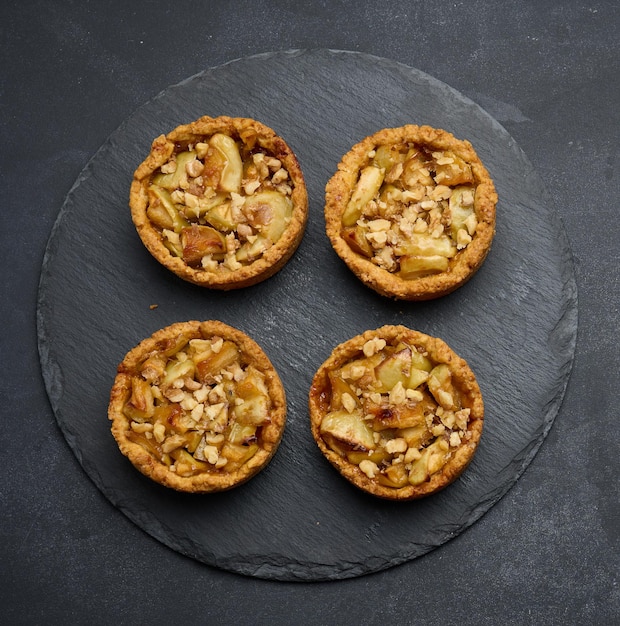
(515, 322)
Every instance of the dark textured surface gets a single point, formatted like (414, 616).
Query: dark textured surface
(299, 505)
(548, 551)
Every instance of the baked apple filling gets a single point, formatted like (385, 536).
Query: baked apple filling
(202, 402)
(397, 412)
(220, 204)
(412, 209)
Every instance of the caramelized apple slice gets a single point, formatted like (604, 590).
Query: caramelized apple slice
(421, 362)
(242, 434)
(422, 244)
(394, 369)
(153, 368)
(416, 436)
(178, 178)
(142, 396)
(396, 416)
(199, 241)
(159, 216)
(413, 266)
(253, 405)
(252, 250)
(149, 444)
(433, 458)
(355, 236)
(462, 209)
(339, 387)
(376, 456)
(213, 363)
(367, 188)
(221, 217)
(252, 385)
(451, 169)
(201, 207)
(130, 411)
(232, 169)
(440, 386)
(161, 199)
(394, 476)
(419, 469)
(186, 464)
(191, 440)
(214, 164)
(416, 378)
(386, 156)
(253, 410)
(269, 211)
(348, 428)
(237, 454)
(170, 346)
(177, 369)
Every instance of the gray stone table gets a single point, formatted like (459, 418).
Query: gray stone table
(530, 535)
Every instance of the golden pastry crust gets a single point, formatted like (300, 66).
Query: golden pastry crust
(396, 412)
(221, 202)
(411, 211)
(198, 407)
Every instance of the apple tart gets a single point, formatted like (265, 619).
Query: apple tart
(198, 407)
(221, 202)
(411, 211)
(396, 412)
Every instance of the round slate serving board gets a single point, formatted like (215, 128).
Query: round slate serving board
(515, 322)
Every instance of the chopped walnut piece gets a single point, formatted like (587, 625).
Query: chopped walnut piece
(211, 454)
(197, 412)
(357, 371)
(438, 430)
(159, 432)
(369, 468)
(250, 187)
(394, 446)
(398, 394)
(372, 346)
(191, 384)
(141, 427)
(169, 167)
(194, 168)
(188, 403)
(412, 454)
(174, 394)
(172, 443)
(349, 402)
(279, 177)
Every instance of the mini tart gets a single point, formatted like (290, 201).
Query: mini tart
(411, 211)
(396, 412)
(221, 202)
(198, 407)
